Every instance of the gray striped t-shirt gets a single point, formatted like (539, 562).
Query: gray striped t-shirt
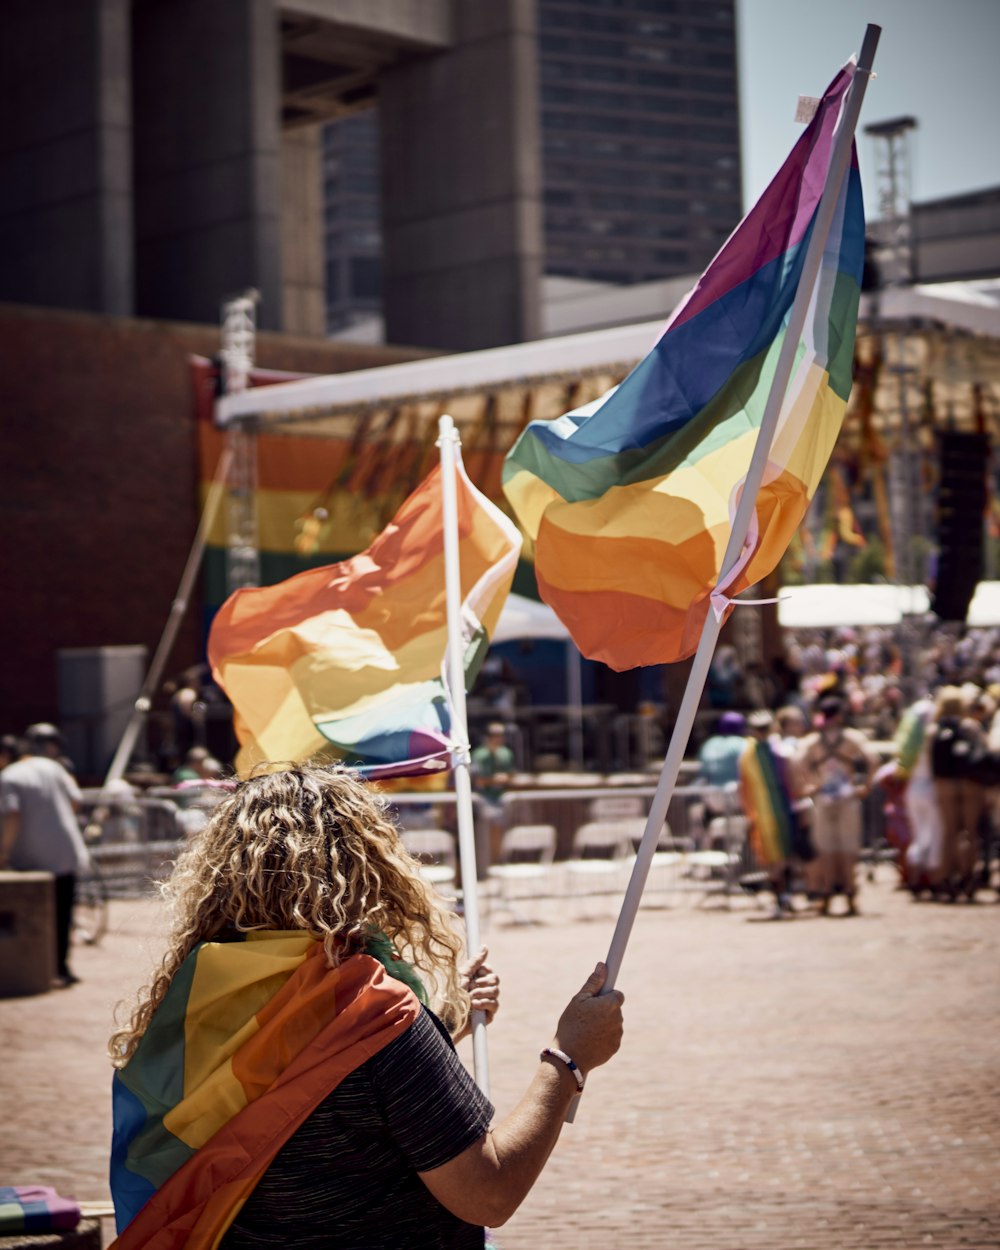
(347, 1179)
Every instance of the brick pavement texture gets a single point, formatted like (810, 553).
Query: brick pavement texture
(819, 1083)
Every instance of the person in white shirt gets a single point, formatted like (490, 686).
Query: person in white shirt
(39, 801)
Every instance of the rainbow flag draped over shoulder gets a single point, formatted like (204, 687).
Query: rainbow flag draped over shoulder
(346, 662)
(629, 500)
(251, 1036)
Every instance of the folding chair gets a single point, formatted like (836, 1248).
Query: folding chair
(669, 858)
(598, 859)
(716, 867)
(525, 867)
(436, 854)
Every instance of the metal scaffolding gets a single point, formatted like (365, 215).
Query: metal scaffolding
(239, 338)
(894, 259)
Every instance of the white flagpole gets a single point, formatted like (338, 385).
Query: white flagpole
(449, 443)
(839, 160)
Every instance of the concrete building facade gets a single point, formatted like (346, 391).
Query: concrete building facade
(162, 155)
(957, 237)
(641, 136)
(639, 161)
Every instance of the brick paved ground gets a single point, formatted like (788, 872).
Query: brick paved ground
(816, 1083)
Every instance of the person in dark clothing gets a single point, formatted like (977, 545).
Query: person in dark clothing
(320, 1100)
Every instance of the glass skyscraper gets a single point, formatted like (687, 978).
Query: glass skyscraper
(640, 132)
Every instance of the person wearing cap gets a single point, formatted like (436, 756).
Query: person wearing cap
(836, 769)
(39, 832)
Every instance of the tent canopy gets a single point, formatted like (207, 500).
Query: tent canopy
(970, 308)
(822, 606)
(526, 618)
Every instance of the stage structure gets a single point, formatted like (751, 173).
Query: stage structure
(381, 424)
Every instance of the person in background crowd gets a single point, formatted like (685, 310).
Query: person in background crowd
(836, 770)
(957, 749)
(921, 857)
(769, 790)
(187, 713)
(360, 1126)
(719, 754)
(719, 768)
(492, 768)
(725, 678)
(10, 750)
(791, 725)
(39, 832)
(51, 744)
(198, 765)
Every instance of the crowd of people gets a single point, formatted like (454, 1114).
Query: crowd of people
(849, 740)
(337, 975)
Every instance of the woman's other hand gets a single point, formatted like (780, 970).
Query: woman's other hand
(483, 986)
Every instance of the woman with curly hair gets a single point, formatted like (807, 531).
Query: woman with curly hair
(284, 1081)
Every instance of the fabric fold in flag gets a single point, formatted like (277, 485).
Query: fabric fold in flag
(347, 662)
(629, 500)
(251, 1036)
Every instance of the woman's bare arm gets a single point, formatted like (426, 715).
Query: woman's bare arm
(488, 1181)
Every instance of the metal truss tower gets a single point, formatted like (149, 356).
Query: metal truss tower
(894, 172)
(894, 260)
(239, 337)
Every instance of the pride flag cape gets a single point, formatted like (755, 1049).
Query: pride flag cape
(629, 499)
(346, 662)
(764, 788)
(251, 1036)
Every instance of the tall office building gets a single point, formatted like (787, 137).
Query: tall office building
(351, 212)
(641, 142)
(640, 149)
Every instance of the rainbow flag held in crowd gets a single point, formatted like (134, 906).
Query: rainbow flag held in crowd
(766, 794)
(347, 662)
(251, 1036)
(629, 500)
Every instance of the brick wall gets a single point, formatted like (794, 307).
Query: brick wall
(98, 502)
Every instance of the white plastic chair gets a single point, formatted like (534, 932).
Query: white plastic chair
(435, 851)
(669, 860)
(525, 868)
(598, 859)
(716, 866)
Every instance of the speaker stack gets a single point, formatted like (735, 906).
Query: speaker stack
(963, 461)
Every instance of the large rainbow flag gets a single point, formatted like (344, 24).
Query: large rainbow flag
(251, 1036)
(629, 499)
(347, 662)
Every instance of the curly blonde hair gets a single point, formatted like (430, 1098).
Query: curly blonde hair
(305, 848)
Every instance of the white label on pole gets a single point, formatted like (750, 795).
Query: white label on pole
(806, 108)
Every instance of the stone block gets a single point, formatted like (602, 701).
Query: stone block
(27, 933)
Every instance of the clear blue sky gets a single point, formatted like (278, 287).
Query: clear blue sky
(937, 60)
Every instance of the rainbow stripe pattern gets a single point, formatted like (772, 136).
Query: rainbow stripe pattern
(629, 500)
(346, 662)
(764, 788)
(251, 1036)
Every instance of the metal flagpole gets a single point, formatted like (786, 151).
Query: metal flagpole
(177, 609)
(449, 443)
(839, 160)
